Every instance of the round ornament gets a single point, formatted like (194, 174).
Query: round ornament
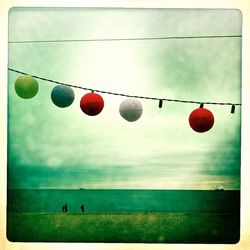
(201, 120)
(91, 104)
(26, 86)
(131, 109)
(62, 96)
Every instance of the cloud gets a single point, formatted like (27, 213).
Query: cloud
(53, 147)
(225, 158)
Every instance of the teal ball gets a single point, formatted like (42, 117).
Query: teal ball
(62, 96)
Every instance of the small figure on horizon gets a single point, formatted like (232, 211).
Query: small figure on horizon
(82, 208)
(66, 208)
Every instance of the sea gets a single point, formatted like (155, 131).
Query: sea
(123, 200)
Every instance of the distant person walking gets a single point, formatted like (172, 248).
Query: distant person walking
(82, 208)
(66, 208)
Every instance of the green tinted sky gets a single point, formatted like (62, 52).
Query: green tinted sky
(50, 147)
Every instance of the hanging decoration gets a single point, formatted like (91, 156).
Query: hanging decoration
(91, 104)
(131, 109)
(201, 120)
(233, 109)
(160, 103)
(26, 86)
(62, 96)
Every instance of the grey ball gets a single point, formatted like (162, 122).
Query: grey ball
(131, 109)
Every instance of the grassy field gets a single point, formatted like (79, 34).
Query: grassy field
(123, 227)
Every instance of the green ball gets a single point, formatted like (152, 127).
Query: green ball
(26, 86)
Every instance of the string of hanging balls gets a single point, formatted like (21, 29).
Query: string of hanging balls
(200, 120)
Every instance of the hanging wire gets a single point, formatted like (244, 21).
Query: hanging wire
(124, 95)
(125, 39)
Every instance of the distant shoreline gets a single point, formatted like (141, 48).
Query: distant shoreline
(123, 213)
(115, 200)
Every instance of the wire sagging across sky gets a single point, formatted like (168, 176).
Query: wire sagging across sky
(126, 39)
(124, 95)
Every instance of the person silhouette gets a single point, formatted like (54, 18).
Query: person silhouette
(82, 208)
(66, 208)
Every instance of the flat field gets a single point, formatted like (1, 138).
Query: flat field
(123, 227)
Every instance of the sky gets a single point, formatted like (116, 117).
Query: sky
(51, 147)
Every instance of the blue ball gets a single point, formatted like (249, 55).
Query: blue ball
(62, 96)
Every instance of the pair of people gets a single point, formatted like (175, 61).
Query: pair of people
(65, 208)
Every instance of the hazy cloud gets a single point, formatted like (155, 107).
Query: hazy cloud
(53, 147)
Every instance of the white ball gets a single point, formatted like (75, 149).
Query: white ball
(131, 109)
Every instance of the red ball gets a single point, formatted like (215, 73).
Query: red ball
(201, 120)
(92, 104)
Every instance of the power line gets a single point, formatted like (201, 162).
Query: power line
(125, 39)
(124, 95)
